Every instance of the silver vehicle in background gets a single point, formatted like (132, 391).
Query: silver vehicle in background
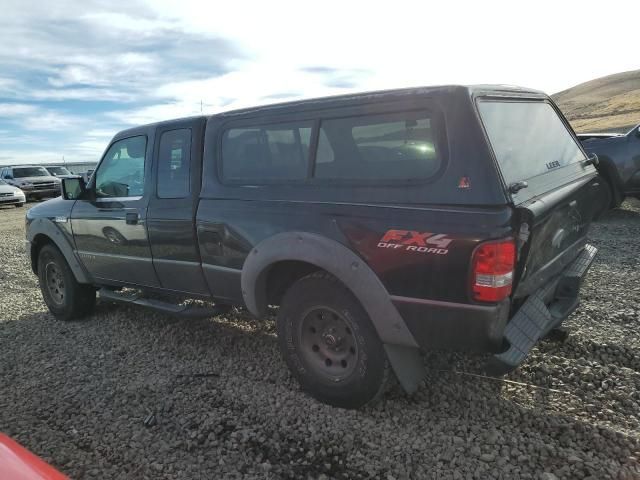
(59, 172)
(11, 195)
(33, 180)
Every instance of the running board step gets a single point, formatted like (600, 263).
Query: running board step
(166, 307)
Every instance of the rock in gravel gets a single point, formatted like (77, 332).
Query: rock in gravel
(225, 405)
(487, 457)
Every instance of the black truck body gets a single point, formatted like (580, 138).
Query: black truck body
(469, 254)
(618, 161)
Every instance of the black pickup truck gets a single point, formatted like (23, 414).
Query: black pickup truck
(379, 224)
(618, 161)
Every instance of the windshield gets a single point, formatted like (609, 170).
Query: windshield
(58, 171)
(29, 172)
(528, 138)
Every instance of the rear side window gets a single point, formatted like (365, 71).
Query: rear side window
(174, 164)
(528, 138)
(391, 146)
(269, 152)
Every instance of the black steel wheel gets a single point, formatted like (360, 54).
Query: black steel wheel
(329, 343)
(54, 281)
(64, 296)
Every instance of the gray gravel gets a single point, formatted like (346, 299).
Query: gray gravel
(224, 405)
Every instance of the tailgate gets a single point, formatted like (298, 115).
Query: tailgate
(556, 225)
(554, 188)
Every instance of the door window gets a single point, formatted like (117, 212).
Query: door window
(121, 173)
(174, 161)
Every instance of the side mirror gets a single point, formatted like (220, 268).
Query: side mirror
(73, 188)
(638, 131)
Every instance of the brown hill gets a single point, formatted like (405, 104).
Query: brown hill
(610, 103)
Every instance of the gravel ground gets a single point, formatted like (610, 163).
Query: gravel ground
(224, 404)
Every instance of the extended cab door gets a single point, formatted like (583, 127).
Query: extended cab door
(554, 187)
(109, 222)
(173, 204)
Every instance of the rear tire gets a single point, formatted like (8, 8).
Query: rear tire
(329, 343)
(19, 205)
(64, 296)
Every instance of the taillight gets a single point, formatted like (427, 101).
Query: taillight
(492, 268)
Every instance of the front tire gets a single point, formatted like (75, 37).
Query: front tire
(329, 343)
(19, 205)
(64, 296)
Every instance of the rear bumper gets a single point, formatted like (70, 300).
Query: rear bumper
(455, 326)
(543, 311)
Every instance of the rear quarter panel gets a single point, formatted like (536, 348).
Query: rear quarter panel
(393, 241)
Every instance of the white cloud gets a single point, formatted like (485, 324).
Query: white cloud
(88, 94)
(255, 84)
(52, 121)
(13, 110)
(550, 46)
(6, 84)
(17, 157)
(159, 59)
(35, 118)
(122, 69)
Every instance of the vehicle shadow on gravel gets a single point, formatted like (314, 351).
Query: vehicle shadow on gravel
(621, 213)
(216, 390)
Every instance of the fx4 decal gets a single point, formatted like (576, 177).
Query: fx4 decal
(411, 241)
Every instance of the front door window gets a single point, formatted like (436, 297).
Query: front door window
(121, 173)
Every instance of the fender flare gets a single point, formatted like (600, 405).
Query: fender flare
(46, 227)
(399, 344)
(340, 262)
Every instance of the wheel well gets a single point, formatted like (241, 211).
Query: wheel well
(39, 241)
(282, 275)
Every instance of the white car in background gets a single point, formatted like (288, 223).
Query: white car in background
(10, 195)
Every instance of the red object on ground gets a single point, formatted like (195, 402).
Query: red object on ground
(18, 463)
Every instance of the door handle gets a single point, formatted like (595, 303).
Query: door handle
(131, 218)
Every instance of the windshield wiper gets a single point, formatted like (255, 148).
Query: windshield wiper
(517, 186)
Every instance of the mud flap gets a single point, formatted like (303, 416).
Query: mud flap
(544, 310)
(408, 365)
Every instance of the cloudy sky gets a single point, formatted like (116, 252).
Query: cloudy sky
(72, 73)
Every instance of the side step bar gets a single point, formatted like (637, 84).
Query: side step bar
(543, 311)
(166, 307)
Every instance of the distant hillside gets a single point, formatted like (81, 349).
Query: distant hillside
(609, 103)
